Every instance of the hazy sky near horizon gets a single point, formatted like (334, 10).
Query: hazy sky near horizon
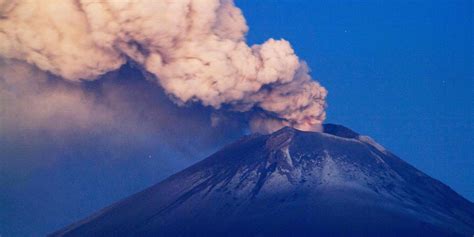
(397, 71)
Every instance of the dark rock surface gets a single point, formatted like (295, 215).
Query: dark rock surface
(290, 183)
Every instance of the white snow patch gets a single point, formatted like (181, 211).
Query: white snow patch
(330, 172)
(287, 158)
(371, 141)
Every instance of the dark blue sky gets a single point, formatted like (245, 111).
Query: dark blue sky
(398, 71)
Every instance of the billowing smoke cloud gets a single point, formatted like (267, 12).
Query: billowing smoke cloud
(120, 107)
(195, 50)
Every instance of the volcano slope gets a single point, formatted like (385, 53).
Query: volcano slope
(290, 183)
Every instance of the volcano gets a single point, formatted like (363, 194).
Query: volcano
(290, 183)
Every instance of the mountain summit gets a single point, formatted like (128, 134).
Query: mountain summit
(334, 183)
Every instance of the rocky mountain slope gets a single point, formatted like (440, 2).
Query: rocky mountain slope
(336, 183)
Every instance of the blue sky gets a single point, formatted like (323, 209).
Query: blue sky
(398, 71)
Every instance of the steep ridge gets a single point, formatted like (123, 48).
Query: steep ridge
(290, 183)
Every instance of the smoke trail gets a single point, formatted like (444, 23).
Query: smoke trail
(195, 49)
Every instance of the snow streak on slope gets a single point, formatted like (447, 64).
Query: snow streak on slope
(291, 183)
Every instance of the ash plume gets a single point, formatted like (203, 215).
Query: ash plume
(195, 50)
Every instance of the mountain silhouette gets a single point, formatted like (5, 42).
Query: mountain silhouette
(290, 183)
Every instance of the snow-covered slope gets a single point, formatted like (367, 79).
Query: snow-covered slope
(290, 183)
